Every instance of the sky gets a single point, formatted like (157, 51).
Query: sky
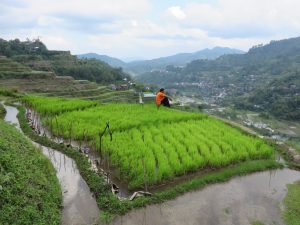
(145, 29)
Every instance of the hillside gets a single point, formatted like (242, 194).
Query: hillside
(13, 69)
(263, 67)
(30, 191)
(281, 97)
(181, 59)
(29, 67)
(35, 56)
(114, 62)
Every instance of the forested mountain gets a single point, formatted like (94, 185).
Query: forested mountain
(266, 76)
(281, 97)
(35, 55)
(114, 62)
(181, 59)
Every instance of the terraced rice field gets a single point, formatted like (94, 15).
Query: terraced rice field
(151, 145)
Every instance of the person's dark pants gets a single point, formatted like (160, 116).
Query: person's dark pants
(165, 102)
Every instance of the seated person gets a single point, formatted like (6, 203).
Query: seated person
(162, 98)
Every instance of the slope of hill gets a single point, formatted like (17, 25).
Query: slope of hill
(12, 69)
(244, 75)
(181, 59)
(114, 62)
(35, 55)
(281, 97)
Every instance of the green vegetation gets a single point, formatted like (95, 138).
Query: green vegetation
(2, 112)
(81, 93)
(227, 210)
(295, 143)
(265, 79)
(278, 98)
(126, 96)
(54, 106)
(257, 222)
(8, 93)
(120, 117)
(291, 213)
(178, 148)
(103, 94)
(29, 190)
(152, 145)
(25, 57)
(112, 206)
(49, 84)
(12, 69)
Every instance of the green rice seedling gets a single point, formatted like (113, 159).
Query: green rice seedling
(150, 146)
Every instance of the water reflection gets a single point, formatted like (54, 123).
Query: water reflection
(241, 200)
(79, 204)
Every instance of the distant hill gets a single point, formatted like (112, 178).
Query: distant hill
(24, 58)
(114, 62)
(181, 59)
(262, 79)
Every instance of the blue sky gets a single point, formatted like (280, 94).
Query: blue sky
(149, 28)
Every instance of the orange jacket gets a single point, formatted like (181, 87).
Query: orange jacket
(159, 97)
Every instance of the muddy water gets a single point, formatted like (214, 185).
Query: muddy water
(240, 201)
(79, 205)
(11, 116)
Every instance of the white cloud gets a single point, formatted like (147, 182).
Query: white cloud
(48, 21)
(126, 28)
(57, 42)
(177, 12)
(260, 18)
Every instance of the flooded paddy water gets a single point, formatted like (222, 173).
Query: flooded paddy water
(79, 205)
(240, 201)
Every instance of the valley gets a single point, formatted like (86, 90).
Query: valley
(137, 164)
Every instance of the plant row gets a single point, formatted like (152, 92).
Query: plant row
(154, 154)
(151, 145)
(50, 106)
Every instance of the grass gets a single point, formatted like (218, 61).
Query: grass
(2, 112)
(29, 189)
(256, 222)
(8, 93)
(227, 211)
(295, 143)
(108, 203)
(291, 213)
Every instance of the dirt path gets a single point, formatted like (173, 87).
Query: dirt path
(79, 205)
